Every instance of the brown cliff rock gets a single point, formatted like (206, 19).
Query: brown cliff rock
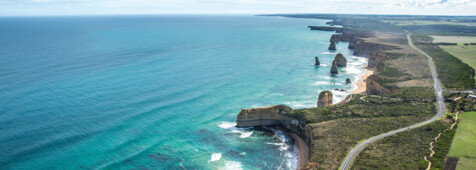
(334, 68)
(340, 60)
(374, 85)
(325, 99)
(264, 116)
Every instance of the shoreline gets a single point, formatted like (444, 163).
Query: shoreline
(361, 83)
(302, 149)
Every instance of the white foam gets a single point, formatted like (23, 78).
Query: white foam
(226, 125)
(233, 165)
(328, 53)
(246, 134)
(215, 157)
(321, 83)
(232, 127)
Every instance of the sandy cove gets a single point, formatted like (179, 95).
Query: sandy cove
(361, 83)
(302, 150)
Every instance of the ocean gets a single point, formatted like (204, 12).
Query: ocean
(157, 92)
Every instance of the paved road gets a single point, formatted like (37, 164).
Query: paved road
(440, 112)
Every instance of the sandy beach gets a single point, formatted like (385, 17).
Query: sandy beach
(361, 84)
(302, 150)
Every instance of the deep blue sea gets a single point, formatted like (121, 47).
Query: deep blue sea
(156, 92)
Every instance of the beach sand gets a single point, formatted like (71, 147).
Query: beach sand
(303, 150)
(361, 84)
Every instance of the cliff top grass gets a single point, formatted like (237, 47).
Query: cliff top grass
(464, 143)
(467, 53)
(454, 39)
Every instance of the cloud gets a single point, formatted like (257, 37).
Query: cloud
(430, 3)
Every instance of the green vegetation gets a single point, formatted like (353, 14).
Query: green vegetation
(334, 139)
(452, 72)
(454, 39)
(427, 22)
(466, 53)
(466, 163)
(418, 101)
(407, 150)
(464, 144)
(443, 29)
(459, 102)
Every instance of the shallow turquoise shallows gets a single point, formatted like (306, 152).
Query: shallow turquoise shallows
(157, 92)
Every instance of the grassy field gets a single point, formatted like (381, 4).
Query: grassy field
(464, 143)
(407, 150)
(454, 39)
(466, 53)
(466, 163)
(426, 22)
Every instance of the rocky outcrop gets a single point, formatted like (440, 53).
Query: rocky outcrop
(340, 60)
(340, 37)
(374, 60)
(347, 81)
(317, 61)
(352, 42)
(326, 28)
(264, 116)
(325, 99)
(334, 68)
(332, 46)
(374, 86)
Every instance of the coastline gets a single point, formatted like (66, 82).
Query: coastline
(361, 83)
(302, 149)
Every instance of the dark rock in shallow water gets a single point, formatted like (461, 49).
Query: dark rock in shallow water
(334, 68)
(332, 46)
(347, 81)
(340, 60)
(317, 62)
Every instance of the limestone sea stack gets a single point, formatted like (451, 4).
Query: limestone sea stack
(317, 61)
(332, 46)
(334, 68)
(340, 60)
(325, 99)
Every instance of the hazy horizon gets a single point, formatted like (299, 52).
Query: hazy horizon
(223, 7)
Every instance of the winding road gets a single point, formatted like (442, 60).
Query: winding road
(440, 112)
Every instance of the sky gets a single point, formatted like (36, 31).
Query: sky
(121, 7)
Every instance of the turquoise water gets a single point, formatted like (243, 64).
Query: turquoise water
(130, 92)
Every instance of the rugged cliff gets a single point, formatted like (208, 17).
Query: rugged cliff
(325, 99)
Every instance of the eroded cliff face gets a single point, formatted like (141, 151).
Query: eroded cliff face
(275, 115)
(325, 99)
(265, 116)
(374, 86)
(374, 59)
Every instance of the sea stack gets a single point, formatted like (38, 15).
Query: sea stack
(347, 81)
(332, 46)
(317, 61)
(340, 60)
(334, 68)
(325, 99)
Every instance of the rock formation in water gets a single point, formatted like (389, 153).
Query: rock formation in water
(340, 60)
(325, 99)
(334, 68)
(317, 61)
(347, 81)
(332, 46)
